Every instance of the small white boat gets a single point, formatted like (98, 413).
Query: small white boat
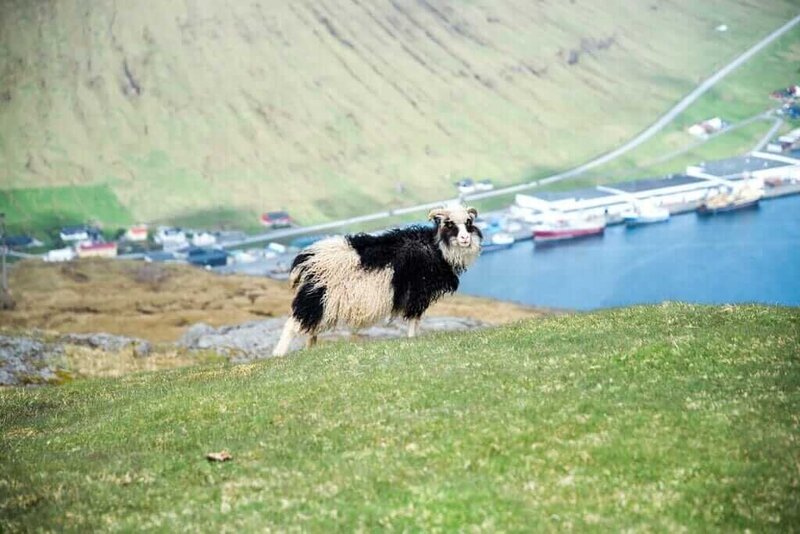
(497, 241)
(645, 213)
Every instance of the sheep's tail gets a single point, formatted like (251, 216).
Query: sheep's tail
(299, 267)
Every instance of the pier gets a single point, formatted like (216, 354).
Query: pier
(778, 175)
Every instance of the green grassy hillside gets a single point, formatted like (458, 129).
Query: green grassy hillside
(665, 418)
(740, 96)
(200, 111)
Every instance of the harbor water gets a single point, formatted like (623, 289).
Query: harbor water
(747, 256)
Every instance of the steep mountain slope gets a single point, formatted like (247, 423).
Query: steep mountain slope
(197, 109)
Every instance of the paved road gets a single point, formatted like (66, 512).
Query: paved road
(769, 135)
(663, 121)
(765, 116)
(652, 130)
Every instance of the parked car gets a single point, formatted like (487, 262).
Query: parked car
(276, 219)
(466, 186)
(791, 112)
(276, 247)
(484, 185)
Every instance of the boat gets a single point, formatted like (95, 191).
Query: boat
(645, 213)
(739, 199)
(497, 241)
(564, 227)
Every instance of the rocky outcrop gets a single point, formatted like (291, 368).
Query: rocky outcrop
(256, 339)
(37, 359)
(108, 342)
(25, 360)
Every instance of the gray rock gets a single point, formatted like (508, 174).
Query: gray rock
(32, 360)
(25, 360)
(6, 378)
(256, 339)
(108, 342)
(194, 333)
(243, 342)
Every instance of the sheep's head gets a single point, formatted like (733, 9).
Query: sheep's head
(459, 238)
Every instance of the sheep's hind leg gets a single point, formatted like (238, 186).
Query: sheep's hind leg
(413, 327)
(312, 340)
(291, 328)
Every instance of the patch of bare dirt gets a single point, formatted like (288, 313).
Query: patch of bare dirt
(158, 302)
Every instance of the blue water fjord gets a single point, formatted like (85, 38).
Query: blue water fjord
(747, 256)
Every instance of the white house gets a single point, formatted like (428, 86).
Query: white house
(136, 233)
(203, 239)
(74, 234)
(171, 238)
(59, 254)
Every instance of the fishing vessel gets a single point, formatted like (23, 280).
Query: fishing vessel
(497, 241)
(568, 227)
(731, 200)
(645, 213)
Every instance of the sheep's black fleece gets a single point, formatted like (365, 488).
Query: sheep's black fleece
(420, 273)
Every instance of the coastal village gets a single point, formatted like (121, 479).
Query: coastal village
(709, 188)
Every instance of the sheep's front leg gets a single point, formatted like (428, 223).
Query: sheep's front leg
(413, 327)
(312, 340)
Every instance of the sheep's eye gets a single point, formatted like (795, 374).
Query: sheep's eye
(469, 223)
(448, 224)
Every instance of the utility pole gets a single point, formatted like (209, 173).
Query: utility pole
(6, 302)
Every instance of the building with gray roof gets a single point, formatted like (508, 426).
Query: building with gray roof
(736, 167)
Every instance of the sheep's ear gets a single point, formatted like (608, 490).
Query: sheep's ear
(473, 212)
(437, 214)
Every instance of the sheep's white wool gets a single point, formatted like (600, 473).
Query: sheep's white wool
(461, 257)
(360, 295)
(353, 296)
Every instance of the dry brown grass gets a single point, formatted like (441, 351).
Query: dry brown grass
(90, 362)
(158, 302)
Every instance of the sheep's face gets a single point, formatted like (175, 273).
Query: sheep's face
(455, 230)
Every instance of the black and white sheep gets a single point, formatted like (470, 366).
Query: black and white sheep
(359, 280)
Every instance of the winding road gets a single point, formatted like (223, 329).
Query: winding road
(642, 137)
(636, 141)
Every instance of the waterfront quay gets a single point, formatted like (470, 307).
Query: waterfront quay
(777, 175)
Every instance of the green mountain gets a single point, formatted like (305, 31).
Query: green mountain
(210, 112)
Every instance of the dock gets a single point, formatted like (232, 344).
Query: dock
(778, 175)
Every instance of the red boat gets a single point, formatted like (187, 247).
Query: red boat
(568, 229)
